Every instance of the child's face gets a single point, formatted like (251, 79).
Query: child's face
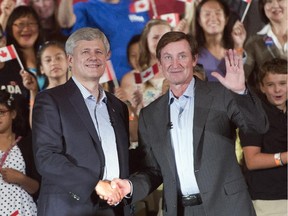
(54, 62)
(6, 118)
(275, 86)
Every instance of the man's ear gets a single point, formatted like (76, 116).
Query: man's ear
(195, 60)
(108, 55)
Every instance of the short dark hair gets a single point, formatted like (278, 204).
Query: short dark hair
(7, 100)
(274, 66)
(134, 40)
(175, 36)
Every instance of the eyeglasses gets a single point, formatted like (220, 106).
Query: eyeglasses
(3, 112)
(21, 26)
(2, 34)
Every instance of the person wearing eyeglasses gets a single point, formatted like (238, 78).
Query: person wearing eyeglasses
(19, 180)
(24, 32)
(19, 83)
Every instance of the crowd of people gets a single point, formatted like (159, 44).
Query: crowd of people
(71, 145)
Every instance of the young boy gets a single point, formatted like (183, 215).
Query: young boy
(266, 155)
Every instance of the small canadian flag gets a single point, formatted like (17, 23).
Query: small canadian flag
(171, 18)
(146, 75)
(139, 6)
(248, 1)
(7, 53)
(109, 73)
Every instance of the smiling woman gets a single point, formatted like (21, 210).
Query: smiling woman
(24, 31)
(216, 32)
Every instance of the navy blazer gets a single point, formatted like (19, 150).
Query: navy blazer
(217, 113)
(67, 150)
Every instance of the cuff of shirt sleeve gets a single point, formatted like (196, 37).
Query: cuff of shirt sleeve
(128, 196)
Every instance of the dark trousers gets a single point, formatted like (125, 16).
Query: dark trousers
(191, 211)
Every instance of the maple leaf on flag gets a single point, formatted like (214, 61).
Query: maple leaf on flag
(171, 18)
(139, 6)
(146, 75)
(7, 53)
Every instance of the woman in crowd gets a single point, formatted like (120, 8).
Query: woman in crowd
(24, 31)
(17, 170)
(270, 42)
(47, 12)
(215, 33)
(150, 36)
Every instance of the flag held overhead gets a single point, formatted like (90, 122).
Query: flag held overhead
(139, 6)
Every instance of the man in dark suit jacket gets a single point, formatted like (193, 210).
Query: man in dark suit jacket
(80, 135)
(187, 136)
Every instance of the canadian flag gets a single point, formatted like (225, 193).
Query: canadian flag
(171, 18)
(146, 75)
(7, 53)
(139, 6)
(248, 1)
(109, 73)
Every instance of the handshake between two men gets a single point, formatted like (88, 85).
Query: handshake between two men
(113, 191)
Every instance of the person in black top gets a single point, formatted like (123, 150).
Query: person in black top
(266, 155)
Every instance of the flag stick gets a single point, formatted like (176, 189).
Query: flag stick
(18, 59)
(114, 79)
(246, 10)
(115, 82)
(154, 9)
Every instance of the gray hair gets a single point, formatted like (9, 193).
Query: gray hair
(87, 34)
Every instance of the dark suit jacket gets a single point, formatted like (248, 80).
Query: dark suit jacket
(67, 150)
(217, 113)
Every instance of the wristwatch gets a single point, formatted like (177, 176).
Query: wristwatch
(277, 158)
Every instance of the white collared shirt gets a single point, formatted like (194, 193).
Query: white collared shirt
(182, 115)
(268, 30)
(101, 120)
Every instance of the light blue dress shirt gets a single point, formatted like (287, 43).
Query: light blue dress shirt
(101, 119)
(182, 115)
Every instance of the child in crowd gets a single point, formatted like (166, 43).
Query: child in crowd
(17, 170)
(53, 64)
(266, 154)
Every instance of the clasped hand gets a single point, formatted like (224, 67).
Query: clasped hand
(113, 191)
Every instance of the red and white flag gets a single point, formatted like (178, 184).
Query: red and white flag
(7, 53)
(171, 18)
(248, 1)
(109, 73)
(146, 75)
(139, 6)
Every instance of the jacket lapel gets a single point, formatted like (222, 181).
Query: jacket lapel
(80, 108)
(202, 104)
(164, 124)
